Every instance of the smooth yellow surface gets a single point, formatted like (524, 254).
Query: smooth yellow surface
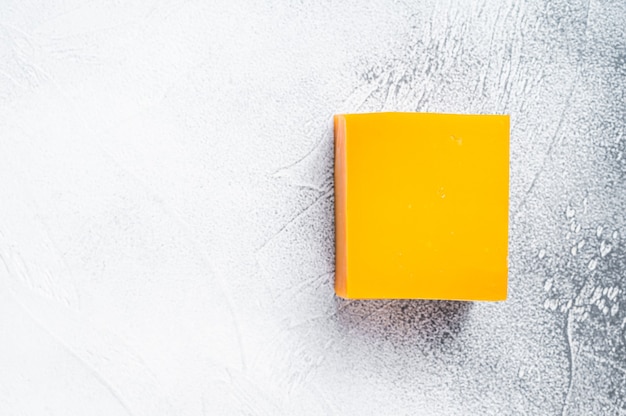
(421, 206)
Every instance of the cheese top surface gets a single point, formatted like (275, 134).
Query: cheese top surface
(422, 205)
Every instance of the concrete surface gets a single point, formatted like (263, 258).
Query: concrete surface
(166, 208)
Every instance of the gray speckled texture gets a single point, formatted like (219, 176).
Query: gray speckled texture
(166, 214)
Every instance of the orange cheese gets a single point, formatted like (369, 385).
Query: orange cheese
(421, 206)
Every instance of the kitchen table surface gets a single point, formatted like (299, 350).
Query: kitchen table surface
(166, 208)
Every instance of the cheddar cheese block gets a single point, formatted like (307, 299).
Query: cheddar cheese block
(421, 206)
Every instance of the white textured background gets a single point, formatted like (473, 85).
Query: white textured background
(166, 208)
